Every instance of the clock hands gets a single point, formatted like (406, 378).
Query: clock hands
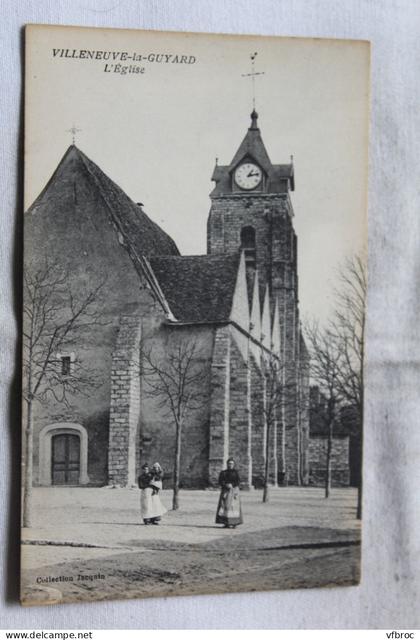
(248, 175)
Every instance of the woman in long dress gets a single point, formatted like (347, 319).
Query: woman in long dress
(229, 511)
(156, 483)
(150, 483)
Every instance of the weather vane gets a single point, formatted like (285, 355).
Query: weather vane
(73, 132)
(252, 76)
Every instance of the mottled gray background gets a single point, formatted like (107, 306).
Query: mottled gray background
(387, 597)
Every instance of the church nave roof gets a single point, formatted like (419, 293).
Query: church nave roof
(198, 288)
(63, 193)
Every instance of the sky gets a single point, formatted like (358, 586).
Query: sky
(158, 132)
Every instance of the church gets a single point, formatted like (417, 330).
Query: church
(238, 305)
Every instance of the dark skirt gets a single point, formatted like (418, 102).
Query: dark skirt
(229, 510)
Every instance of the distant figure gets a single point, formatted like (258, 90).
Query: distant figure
(150, 483)
(229, 511)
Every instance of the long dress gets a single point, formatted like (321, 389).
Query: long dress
(229, 510)
(151, 506)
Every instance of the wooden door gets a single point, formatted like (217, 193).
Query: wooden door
(65, 463)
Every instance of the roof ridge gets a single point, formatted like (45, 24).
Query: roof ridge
(139, 235)
(53, 176)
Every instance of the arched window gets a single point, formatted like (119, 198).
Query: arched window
(248, 245)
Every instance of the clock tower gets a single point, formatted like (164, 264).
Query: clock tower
(251, 210)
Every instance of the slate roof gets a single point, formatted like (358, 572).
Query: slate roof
(198, 288)
(253, 145)
(140, 233)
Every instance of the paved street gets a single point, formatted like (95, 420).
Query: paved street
(298, 539)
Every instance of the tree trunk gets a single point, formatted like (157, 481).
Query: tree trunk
(28, 469)
(275, 455)
(283, 431)
(328, 463)
(177, 465)
(360, 487)
(361, 414)
(298, 413)
(267, 464)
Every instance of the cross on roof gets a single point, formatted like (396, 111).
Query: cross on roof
(252, 75)
(73, 132)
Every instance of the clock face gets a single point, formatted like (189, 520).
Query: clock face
(248, 175)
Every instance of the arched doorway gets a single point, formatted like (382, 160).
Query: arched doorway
(63, 454)
(65, 458)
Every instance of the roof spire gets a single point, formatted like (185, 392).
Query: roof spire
(254, 120)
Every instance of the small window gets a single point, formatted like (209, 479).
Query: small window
(65, 365)
(248, 246)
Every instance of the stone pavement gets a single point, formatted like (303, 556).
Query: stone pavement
(80, 523)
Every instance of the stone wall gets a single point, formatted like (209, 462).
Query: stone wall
(125, 403)
(258, 425)
(270, 216)
(340, 471)
(157, 427)
(219, 404)
(240, 419)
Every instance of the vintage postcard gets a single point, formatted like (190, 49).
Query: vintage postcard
(194, 312)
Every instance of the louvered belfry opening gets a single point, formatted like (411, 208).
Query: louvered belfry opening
(248, 246)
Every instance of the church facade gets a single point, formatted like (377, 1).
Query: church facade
(238, 305)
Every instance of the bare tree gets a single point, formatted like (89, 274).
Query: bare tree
(337, 353)
(272, 408)
(177, 379)
(349, 327)
(282, 398)
(326, 358)
(52, 316)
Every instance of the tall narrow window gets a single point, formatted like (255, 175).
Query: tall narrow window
(248, 246)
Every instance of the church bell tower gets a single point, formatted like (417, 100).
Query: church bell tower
(251, 210)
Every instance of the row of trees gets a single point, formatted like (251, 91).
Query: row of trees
(337, 355)
(336, 367)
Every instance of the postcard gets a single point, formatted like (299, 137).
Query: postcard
(194, 312)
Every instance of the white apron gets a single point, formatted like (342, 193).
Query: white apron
(150, 505)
